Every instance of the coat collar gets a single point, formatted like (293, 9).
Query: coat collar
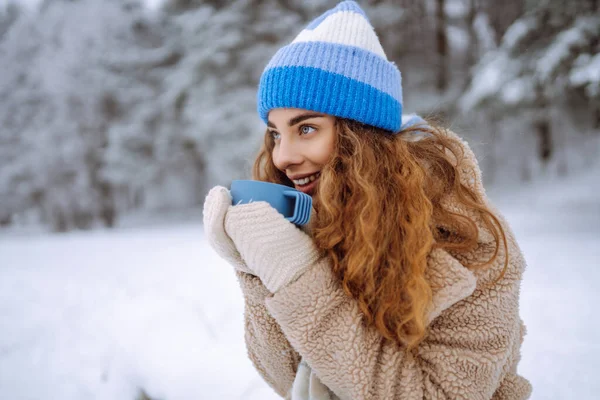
(450, 282)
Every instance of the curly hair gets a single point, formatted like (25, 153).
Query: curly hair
(380, 211)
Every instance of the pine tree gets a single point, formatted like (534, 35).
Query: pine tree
(543, 63)
(60, 95)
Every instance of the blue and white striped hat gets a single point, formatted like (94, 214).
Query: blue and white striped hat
(336, 66)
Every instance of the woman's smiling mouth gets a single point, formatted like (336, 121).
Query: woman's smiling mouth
(307, 184)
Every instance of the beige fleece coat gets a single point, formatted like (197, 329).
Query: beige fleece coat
(471, 351)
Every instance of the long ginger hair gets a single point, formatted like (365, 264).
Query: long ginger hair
(379, 213)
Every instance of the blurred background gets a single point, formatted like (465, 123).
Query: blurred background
(117, 117)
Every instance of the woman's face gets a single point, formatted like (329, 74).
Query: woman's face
(304, 142)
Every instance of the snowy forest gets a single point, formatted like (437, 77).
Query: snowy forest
(118, 116)
(109, 107)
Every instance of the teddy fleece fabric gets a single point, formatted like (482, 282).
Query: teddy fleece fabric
(312, 332)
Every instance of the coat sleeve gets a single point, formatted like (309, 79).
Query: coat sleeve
(268, 349)
(465, 355)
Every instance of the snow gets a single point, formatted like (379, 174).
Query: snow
(517, 31)
(517, 91)
(495, 68)
(587, 69)
(587, 72)
(559, 51)
(458, 38)
(557, 225)
(485, 32)
(99, 315)
(455, 9)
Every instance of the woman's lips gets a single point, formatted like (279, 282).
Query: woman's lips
(309, 188)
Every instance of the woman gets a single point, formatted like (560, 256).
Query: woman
(405, 284)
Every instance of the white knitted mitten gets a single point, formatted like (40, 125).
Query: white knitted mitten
(274, 249)
(217, 202)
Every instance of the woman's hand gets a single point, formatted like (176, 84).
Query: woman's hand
(216, 205)
(275, 249)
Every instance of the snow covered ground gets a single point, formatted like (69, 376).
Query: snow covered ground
(100, 315)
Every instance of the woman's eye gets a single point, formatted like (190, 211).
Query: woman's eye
(275, 135)
(305, 129)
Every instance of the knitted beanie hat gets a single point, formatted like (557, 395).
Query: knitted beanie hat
(336, 66)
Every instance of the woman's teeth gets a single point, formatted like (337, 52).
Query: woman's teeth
(304, 181)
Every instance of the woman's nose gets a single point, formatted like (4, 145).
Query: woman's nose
(286, 154)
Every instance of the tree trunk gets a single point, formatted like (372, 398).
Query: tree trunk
(59, 220)
(545, 143)
(525, 170)
(82, 219)
(473, 49)
(493, 159)
(108, 213)
(105, 210)
(5, 220)
(502, 14)
(442, 46)
(542, 125)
